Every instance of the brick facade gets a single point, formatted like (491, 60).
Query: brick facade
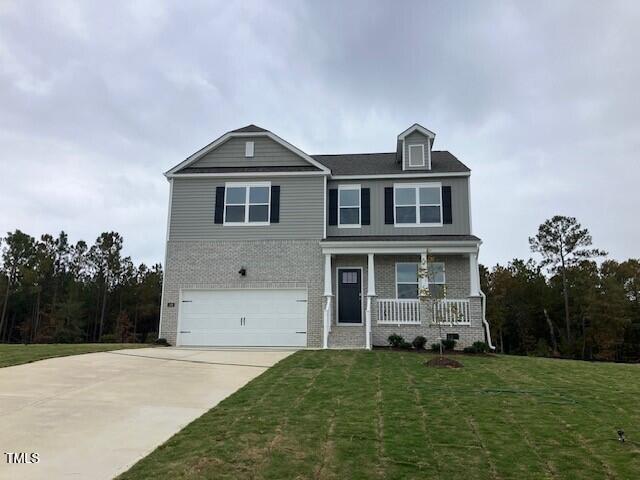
(269, 264)
(300, 264)
(457, 276)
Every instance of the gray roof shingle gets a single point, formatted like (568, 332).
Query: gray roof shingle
(249, 129)
(386, 163)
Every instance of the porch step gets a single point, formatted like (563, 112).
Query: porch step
(347, 337)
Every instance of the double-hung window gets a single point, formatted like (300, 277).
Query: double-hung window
(349, 213)
(247, 203)
(436, 278)
(418, 205)
(407, 280)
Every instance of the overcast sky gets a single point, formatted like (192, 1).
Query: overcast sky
(540, 99)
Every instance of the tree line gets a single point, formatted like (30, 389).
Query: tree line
(54, 291)
(573, 303)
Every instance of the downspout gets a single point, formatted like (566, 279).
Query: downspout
(487, 330)
(166, 251)
(484, 318)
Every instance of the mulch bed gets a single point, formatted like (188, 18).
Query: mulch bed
(443, 362)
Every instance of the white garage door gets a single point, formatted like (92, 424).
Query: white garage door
(252, 318)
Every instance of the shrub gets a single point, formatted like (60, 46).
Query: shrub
(66, 335)
(405, 345)
(419, 342)
(480, 347)
(108, 338)
(477, 347)
(448, 344)
(396, 341)
(435, 347)
(162, 341)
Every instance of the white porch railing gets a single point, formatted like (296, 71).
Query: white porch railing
(451, 312)
(398, 311)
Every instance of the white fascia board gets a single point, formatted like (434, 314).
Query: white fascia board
(400, 176)
(216, 143)
(397, 250)
(299, 152)
(416, 126)
(203, 151)
(401, 243)
(246, 174)
(399, 247)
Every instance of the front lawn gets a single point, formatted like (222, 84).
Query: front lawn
(383, 415)
(11, 354)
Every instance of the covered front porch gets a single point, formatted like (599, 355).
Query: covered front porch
(371, 291)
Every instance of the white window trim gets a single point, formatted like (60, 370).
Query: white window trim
(246, 222)
(417, 187)
(416, 145)
(249, 149)
(350, 187)
(417, 282)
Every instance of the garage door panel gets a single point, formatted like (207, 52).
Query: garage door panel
(275, 317)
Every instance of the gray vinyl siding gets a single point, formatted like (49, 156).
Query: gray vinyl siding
(416, 138)
(267, 153)
(459, 207)
(193, 207)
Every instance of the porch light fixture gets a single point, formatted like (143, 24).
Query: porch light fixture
(242, 272)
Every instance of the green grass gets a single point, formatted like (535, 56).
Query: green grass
(383, 415)
(18, 354)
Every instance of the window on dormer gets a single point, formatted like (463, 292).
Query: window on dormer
(248, 149)
(416, 155)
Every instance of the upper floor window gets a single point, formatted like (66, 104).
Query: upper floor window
(349, 206)
(416, 155)
(418, 204)
(247, 203)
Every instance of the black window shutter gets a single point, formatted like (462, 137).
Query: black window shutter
(333, 206)
(446, 205)
(219, 213)
(365, 206)
(275, 203)
(388, 205)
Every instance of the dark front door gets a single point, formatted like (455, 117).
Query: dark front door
(349, 292)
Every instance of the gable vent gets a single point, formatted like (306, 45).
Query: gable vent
(248, 149)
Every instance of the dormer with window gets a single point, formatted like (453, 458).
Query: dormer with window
(414, 148)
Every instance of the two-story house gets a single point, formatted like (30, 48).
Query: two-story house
(270, 246)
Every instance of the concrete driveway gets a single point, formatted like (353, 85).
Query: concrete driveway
(94, 415)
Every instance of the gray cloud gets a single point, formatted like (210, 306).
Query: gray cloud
(540, 100)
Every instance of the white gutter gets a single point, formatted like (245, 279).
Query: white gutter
(484, 319)
(166, 252)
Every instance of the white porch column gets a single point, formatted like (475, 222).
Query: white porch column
(423, 280)
(474, 275)
(371, 292)
(327, 294)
